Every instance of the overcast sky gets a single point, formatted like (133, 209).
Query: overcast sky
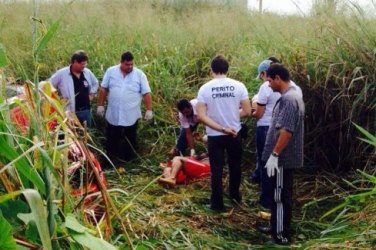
(293, 6)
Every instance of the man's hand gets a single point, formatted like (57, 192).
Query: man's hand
(229, 131)
(100, 111)
(193, 152)
(272, 165)
(148, 115)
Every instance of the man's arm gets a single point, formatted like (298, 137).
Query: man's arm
(260, 110)
(147, 101)
(94, 83)
(245, 108)
(55, 79)
(189, 137)
(102, 96)
(202, 117)
(94, 87)
(284, 137)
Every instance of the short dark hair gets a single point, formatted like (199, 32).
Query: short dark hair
(280, 70)
(219, 65)
(126, 56)
(274, 59)
(183, 104)
(79, 56)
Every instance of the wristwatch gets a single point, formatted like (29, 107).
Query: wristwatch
(223, 130)
(275, 154)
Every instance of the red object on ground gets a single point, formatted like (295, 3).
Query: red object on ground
(193, 169)
(19, 117)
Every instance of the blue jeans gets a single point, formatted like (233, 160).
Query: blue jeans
(182, 143)
(266, 192)
(84, 116)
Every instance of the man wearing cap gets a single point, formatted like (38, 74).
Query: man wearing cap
(188, 122)
(218, 108)
(283, 151)
(77, 84)
(265, 100)
(126, 86)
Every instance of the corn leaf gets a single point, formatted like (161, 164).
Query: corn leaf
(39, 214)
(6, 237)
(21, 164)
(9, 196)
(47, 37)
(81, 234)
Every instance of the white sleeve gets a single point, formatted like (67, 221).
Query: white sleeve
(201, 95)
(263, 94)
(145, 88)
(94, 83)
(55, 79)
(244, 93)
(106, 80)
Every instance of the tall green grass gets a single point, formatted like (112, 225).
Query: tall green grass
(331, 56)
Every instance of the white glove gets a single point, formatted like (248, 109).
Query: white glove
(272, 165)
(148, 115)
(205, 138)
(193, 152)
(100, 111)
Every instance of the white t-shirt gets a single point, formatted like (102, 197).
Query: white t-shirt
(191, 121)
(268, 98)
(222, 97)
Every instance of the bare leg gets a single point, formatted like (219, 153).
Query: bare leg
(176, 166)
(166, 172)
(169, 174)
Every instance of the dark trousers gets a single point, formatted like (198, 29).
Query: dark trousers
(282, 184)
(182, 143)
(266, 191)
(122, 141)
(217, 145)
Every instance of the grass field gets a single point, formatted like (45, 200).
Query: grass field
(330, 53)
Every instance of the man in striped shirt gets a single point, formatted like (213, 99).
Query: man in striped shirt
(283, 151)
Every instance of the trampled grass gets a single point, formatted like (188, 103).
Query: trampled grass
(179, 218)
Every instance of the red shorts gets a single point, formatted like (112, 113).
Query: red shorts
(193, 169)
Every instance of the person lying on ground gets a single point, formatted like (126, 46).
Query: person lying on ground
(181, 169)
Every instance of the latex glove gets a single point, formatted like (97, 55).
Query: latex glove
(148, 115)
(193, 152)
(100, 111)
(272, 165)
(205, 138)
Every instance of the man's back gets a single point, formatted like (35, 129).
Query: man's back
(222, 97)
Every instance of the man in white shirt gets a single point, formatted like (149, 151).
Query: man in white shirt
(188, 122)
(218, 108)
(266, 100)
(78, 85)
(126, 86)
